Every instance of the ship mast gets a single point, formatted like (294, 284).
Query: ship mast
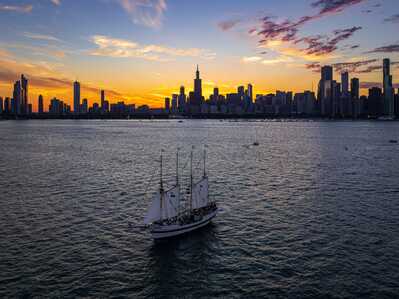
(161, 186)
(177, 167)
(177, 179)
(204, 162)
(191, 180)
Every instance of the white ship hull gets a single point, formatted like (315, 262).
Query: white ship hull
(167, 231)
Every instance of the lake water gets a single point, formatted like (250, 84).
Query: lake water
(312, 211)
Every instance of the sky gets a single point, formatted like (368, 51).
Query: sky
(141, 51)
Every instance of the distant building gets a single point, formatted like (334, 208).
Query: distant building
(17, 98)
(305, 103)
(388, 91)
(102, 100)
(250, 92)
(1, 105)
(7, 104)
(104, 103)
(105, 108)
(24, 106)
(241, 92)
(336, 98)
(198, 86)
(95, 109)
(58, 107)
(375, 102)
(13, 106)
(356, 104)
(326, 91)
(181, 104)
(84, 108)
(167, 104)
(195, 97)
(40, 106)
(76, 97)
(174, 102)
(215, 96)
(345, 104)
(327, 73)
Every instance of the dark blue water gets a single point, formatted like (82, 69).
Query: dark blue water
(313, 211)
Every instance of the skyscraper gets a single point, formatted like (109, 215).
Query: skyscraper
(325, 92)
(250, 92)
(24, 95)
(7, 105)
(76, 97)
(356, 104)
(182, 100)
(197, 85)
(84, 107)
(215, 96)
(174, 102)
(345, 83)
(241, 91)
(327, 73)
(17, 95)
(336, 97)
(102, 100)
(167, 104)
(374, 102)
(386, 69)
(196, 98)
(388, 106)
(40, 104)
(346, 102)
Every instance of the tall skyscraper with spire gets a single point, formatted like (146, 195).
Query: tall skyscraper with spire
(195, 97)
(198, 86)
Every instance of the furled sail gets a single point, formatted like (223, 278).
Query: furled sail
(200, 194)
(154, 212)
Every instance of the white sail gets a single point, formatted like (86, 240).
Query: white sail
(169, 209)
(170, 203)
(200, 194)
(154, 212)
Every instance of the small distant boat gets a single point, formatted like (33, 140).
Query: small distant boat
(393, 141)
(166, 216)
(256, 143)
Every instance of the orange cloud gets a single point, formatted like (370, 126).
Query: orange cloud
(114, 47)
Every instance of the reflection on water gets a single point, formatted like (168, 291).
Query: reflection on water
(312, 211)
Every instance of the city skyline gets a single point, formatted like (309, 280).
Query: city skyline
(333, 99)
(143, 51)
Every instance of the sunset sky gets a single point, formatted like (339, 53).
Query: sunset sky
(140, 51)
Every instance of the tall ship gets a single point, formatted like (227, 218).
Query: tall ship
(171, 214)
